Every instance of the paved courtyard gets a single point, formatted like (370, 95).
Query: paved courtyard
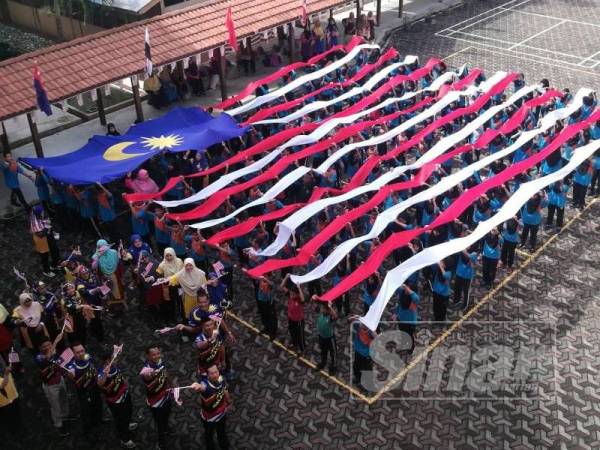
(546, 313)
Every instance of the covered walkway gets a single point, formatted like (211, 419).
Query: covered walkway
(91, 62)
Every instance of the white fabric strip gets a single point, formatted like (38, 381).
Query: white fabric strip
(390, 214)
(289, 225)
(321, 104)
(431, 255)
(302, 139)
(261, 100)
(284, 183)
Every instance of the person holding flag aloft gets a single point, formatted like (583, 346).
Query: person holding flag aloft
(82, 372)
(158, 392)
(215, 402)
(116, 393)
(53, 383)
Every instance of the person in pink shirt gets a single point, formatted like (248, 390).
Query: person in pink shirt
(142, 183)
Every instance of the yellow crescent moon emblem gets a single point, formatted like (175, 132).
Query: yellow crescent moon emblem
(115, 152)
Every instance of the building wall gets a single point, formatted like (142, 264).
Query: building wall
(46, 23)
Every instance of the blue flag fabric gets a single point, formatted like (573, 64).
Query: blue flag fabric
(40, 92)
(108, 158)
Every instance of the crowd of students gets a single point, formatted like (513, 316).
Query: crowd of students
(187, 281)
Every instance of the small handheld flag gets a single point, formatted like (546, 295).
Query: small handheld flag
(40, 91)
(231, 30)
(147, 53)
(65, 358)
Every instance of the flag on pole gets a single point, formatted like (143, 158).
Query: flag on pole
(148, 53)
(40, 91)
(303, 12)
(231, 30)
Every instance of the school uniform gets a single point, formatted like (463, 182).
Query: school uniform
(441, 294)
(327, 343)
(509, 246)
(556, 204)
(581, 181)
(490, 258)
(463, 278)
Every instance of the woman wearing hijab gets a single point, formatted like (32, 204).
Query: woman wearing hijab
(191, 279)
(28, 316)
(106, 262)
(332, 32)
(194, 77)
(137, 247)
(306, 44)
(167, 86)
(111, 130)
(170, 266)
(142, 183)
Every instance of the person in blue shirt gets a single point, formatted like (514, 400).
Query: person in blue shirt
(342, 303)
(406, 313)
(595, 184)
(464, 275)
(372, 285)
(11, 171)
(510, 237)
(557, 199)
(492, 244)
(361, 341)
(581, 181)
(441, 291)
(532, 218)
(43, 191)
(140, 219)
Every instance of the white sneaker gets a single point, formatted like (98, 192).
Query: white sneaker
(133, 426)
(129, 444)
(49, 274)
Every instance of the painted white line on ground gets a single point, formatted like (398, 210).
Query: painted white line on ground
(520, 11)
(567, 55)
(519, 55)
(456, 53)
(502, 11)
(538, 34)
(483, 13)
(589, 58)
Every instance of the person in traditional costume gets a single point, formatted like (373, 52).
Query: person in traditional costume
(170, 266)
(190, 279)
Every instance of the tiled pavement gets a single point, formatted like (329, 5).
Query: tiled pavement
(281, 403)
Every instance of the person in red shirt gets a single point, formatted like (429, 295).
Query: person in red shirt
(295, 314)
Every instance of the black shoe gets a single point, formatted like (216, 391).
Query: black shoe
(63, 432)
(319, 367)
(332, 371)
